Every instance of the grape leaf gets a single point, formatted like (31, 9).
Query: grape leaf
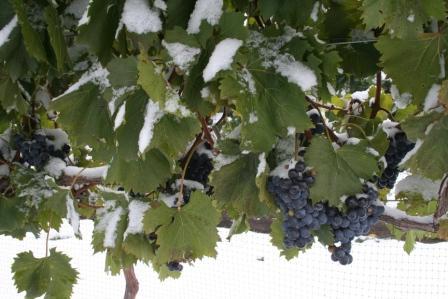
(178, 12)
(402, 18)
(294, 13)
(189, 232)
(57, 40)
(139, 246)
(338, 171)
(151, 79)
(415, 126)
(172, 134)
(443, 93)
(99, 32)
(31, 37)
(420, 69)
(52, 275)
(11, 98)
(232, 26)
(123, 71)
(142, 175)
(54, 209)
(430, 159)
(325, 235)
(12, 217)
(85, 115)
(235, 187)
(277, 237)
(128, 133)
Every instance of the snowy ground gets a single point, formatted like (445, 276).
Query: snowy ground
(249, 267)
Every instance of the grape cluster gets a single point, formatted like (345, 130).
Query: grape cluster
(317, 121)
(36, 151)
(399, 146)
(357, 220)
(300, 217)
(199, 168)
(174, 266)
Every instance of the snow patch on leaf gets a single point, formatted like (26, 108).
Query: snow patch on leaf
(109, 216)
(6, 31)
(152, 116)
(414, 183)
(222, 57)
(182, 55)
(72, 215)
(137, 210)
(209, 10)
(261, 165)
(431, 100)
(139, 18)
(119, 118)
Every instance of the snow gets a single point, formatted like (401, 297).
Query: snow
(248, 266)
(139, 18)
(223, 160)
(183, 55)
(152, 116)
(108, 218)
(390, 127)
(72, 215)
(315, 11)
(173, 105)
(431, 100)
(282, 169)
(43, 96)
(262, 164)
(411, 18)
(398, 214)
(372, 151)
(4, 170)
(414, 183)
(205, 92)
(116, 94)
(203, 150)
(77, 8)
(119, 118)
(91, 173)
(442, 65)
(253, 118)
(361, 95)
(331, 89)
(193, 185)
(160, 4)
(209, 10)
(291, 131)
(137, 210)
(55, 167)
(235, 134)
(85, 18)
(400, 100)
(6, 31)
(248, 80)
(169, 199)
(353, 140)
(222, 57)
(295, 71)
(96, 74)
(55, 137)
(412, 152)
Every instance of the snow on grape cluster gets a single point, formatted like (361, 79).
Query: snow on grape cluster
(36, 150)
(399, 146)
(301, 217)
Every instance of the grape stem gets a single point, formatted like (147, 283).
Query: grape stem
(329, 132)
(328, 107)
(377, 104)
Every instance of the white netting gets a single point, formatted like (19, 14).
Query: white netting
(249, 267)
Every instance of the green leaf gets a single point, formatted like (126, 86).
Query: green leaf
(402, 18)
(178, 12)
(239, 226)
(179, 35)
(267, 114)
(12, 217)
(235, 186)
(338, 171)
(151, 79)
(11, 97)
(189, 232)
(57, 40)
(277, 237)
(421, 68)
(123, 71)
(128, 133)
(415, 126)
(232, 26)
(31, 37)
(409, 242)
(85, 115)
(430, 159)
(54, 209)
(99, 33)
(294, 13)
(325, 235)
(142, 175)
(52, 275)
(139, 246)
(172, 134)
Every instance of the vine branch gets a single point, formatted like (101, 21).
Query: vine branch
(377, 104)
